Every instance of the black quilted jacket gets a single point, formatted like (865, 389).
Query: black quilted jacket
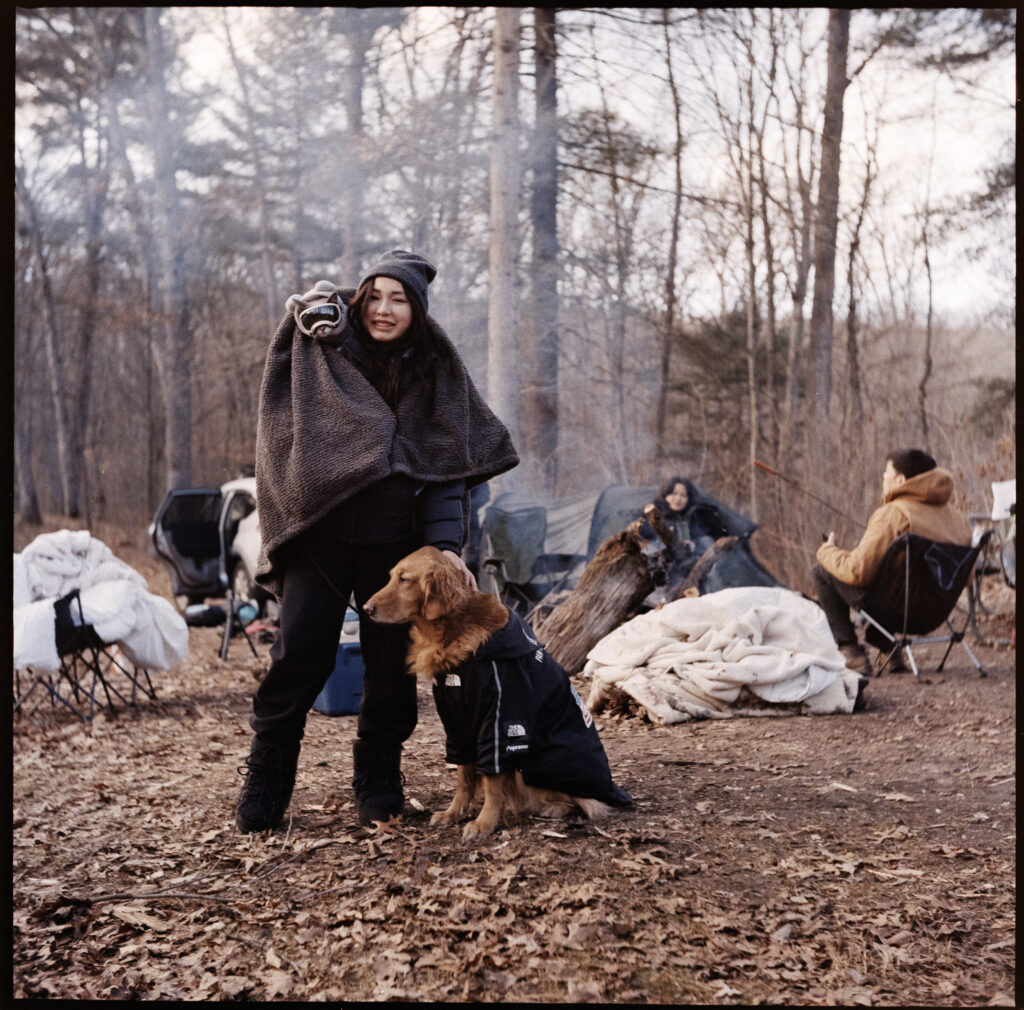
(513, 707)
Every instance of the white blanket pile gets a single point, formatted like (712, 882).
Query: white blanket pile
(692, 658)
(114, 598)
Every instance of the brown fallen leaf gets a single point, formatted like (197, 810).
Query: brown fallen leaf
(278, 983)
(388, 827)
(136, 917)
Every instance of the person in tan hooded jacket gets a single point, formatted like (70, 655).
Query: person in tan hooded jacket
(916, 498)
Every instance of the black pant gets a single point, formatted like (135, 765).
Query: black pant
(319, 575)
(836, 598)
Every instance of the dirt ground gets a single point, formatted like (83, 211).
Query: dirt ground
(841, 860)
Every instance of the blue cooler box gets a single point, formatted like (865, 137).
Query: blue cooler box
(344, 687)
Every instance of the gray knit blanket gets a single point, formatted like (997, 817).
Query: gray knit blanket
(324, 433)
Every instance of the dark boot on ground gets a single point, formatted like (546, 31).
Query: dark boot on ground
(377, 781)
(268, 786)
(860, 704)
(856, 658)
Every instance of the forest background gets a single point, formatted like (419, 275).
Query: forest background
(668, 239)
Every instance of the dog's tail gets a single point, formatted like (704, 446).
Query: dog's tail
(548, 803)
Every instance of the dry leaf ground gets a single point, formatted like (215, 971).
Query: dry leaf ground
(860, 860)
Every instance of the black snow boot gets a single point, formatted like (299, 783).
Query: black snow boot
(268, 785)
(377, 781)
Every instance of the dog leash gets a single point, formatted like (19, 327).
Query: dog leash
(334, 588)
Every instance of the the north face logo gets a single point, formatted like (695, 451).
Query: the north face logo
(452, 680)
(539, 656)
(514, 729)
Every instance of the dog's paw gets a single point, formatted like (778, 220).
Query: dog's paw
(449, 816)
(477, 829)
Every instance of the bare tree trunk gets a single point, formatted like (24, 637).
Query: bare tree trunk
(668, 328)
(95, 205)
(747, 186)
(502, 321)
(27, 505)
(768, 323)
(922, 386)
(140, 238)
(174, 358)
(358, 35)
(825, 227)
(623, 241)
(271, 302)
(58, 384)
(350, 212)
(27, 500)
(852, 349)
(752, 378)
(539, 420)
(852, 324)
(795, 364)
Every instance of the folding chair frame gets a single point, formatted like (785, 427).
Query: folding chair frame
(903, 639)
(231, 622)
(82, 652)
(555, 569)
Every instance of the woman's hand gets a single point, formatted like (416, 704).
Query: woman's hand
(461, 566)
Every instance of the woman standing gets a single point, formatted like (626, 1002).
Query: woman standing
(370, 437)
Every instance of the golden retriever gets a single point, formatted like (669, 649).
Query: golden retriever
(450, 623)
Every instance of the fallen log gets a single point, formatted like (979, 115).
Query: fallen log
(658, 524)
(612, 588)
(704, 565)
(610, 591)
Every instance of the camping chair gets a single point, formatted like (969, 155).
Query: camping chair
(1004, 518)
(533, 550)
(87, 663)
(914, 594)
(513, 538)
(227, 527)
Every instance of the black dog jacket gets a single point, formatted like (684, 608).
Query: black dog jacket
(512, 707)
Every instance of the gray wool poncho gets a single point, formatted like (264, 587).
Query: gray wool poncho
(324, 433)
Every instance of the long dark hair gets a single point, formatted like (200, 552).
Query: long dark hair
(389, 369)
(666, 489)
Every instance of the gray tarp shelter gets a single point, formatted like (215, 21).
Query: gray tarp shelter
(530, 546)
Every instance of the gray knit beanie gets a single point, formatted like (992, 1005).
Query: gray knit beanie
(413, 271)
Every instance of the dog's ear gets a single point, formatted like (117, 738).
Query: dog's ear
(443, 588)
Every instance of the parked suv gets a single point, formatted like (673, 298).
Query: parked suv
(209, 538)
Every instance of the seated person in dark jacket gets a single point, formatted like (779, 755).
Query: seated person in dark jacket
(695, 524)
